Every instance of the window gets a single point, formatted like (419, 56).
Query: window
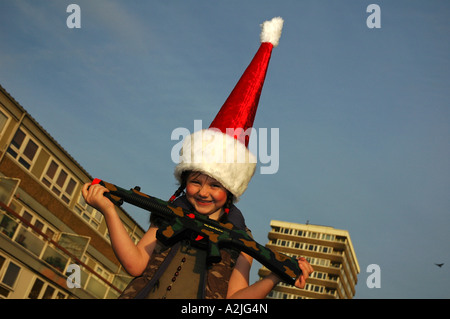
(42, 290)
(59, 181)
(93, 284)
(27, 216)
(9, 272)
(36, 289)
(319, 275)
(23, 149)
(48, 293)
(318, 289)
(40, 225)
(102, 272)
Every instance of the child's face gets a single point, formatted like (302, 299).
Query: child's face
(206, 194)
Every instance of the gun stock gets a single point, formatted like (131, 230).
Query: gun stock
(206, 233)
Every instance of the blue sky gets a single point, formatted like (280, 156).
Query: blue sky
(363, 114)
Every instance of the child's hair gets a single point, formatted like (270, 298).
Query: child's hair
(182, 187)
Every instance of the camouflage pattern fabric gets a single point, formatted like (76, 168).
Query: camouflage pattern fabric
(216, 281)
(219, 274)
(137, 284)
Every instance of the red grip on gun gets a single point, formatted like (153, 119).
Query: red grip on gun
(96, 181)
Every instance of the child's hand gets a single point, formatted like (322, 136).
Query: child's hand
(306, 271)
(93, 195)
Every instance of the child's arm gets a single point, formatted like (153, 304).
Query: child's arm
(238, 287)
(134, 258)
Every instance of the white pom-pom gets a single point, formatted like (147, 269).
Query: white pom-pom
(271, 30)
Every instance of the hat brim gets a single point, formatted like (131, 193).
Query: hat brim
(219, 156)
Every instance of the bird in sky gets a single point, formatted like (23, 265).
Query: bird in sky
(439, 265)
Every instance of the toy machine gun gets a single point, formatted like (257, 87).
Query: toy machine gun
(178, 224)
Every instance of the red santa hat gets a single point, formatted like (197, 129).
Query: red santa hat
(221, 151)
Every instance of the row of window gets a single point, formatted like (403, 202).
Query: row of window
(37, 222)
(10, 272)
(309, 234)
(25, 150)
(320, 289)
(40, 289)
(55, 177)
(30, 239)
(275, 294)
(32, 156)
(319, 275)
(304, 246)
(43, 290)
(11, 228)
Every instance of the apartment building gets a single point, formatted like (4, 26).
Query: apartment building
(48, 234)
(329, 251)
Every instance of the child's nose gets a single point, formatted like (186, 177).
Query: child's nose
(203, 191)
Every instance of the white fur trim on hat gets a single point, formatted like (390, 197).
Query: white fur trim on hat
(219, 156)
(271, 31)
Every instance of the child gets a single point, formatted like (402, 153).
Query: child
(207, 197)
(214, 171)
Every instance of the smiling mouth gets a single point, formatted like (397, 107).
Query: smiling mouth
(203, 202)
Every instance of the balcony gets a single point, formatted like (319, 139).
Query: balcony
(55, 256)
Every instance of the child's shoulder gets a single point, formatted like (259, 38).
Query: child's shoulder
(236, 218)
